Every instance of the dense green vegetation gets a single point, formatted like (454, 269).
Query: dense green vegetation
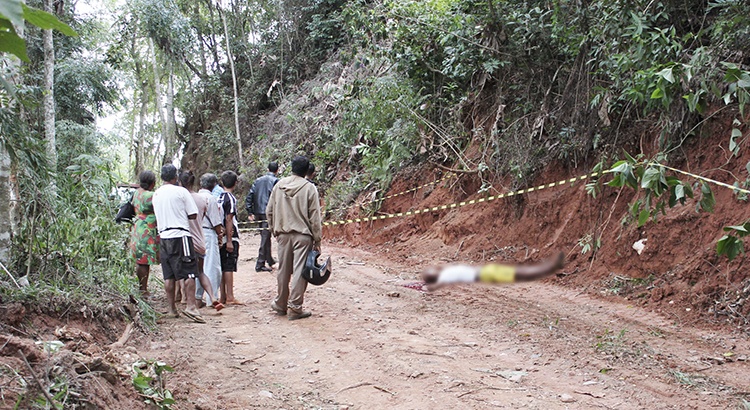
(499, 88)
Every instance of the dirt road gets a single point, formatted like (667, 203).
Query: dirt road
(374, 344)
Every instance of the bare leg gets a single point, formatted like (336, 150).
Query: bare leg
(534, 272)
(142, 272)
(202, 281)
(206, 283)
(228, 283)
(169, 286)
(190, 290)
(223, 289)
(178, 291)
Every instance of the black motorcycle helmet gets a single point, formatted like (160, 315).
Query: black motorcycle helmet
(316, 274)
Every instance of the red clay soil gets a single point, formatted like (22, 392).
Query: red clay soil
(78, 374)
(374, 344)
(678, 271)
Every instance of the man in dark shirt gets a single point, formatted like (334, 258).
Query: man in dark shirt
(255, 203)
(311, 173)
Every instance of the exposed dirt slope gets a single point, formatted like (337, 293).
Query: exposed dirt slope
(664, 329)
(69, 355)
(678, 272)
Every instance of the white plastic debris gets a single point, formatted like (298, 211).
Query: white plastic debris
(640, 245)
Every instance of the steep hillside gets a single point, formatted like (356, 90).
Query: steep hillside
(511, 95)
(677, 272)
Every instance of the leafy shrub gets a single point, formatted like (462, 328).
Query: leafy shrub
(376, 131)
(68, 243)
(149, 380)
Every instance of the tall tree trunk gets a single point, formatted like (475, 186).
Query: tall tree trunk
(159, 106)
(140, 160)
(157, 146)
(133, 149)
(9, 191)
(201, 42)
(139, 116)
(171, 146)
(215, 49)
(49, 93)
(133, 154)
(204, 62)
(234, 89)
(6, 199)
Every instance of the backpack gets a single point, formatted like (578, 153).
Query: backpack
(126, 212)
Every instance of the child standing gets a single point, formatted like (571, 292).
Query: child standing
(230, 248)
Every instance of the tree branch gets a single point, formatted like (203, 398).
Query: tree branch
(457, 171)
(50, 400)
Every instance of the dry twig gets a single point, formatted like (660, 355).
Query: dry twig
(484, 388)
(246, 361)
(49, 398)
(384, 390)
(124, 338)
(459, 249)
(430, 354)
(354, 386)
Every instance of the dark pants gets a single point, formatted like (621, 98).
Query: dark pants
(264, 253)
(178, 258)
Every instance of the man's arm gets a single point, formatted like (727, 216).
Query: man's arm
(250, 203)
(315, 218)
(214, 216)
(269, 210)
(230, 232)
(190, 207)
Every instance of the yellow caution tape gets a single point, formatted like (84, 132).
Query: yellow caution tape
(252, 229)
(462, 203)
(494, 197)
(447, 176)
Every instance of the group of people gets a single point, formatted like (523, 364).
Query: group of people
(195, 235)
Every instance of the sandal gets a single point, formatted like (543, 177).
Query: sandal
(218, 305)
(194, 318)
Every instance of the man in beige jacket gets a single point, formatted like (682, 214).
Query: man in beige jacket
(293, 214)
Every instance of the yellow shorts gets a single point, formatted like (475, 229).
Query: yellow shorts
(494, 273)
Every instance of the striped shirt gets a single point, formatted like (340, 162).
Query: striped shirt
(228, 204)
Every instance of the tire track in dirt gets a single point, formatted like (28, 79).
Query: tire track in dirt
(534, 346)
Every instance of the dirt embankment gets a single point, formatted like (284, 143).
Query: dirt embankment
(65, 357)
(677, 272)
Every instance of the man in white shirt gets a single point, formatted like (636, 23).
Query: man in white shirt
(213, 229)
(187, 181)
(174, 207)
